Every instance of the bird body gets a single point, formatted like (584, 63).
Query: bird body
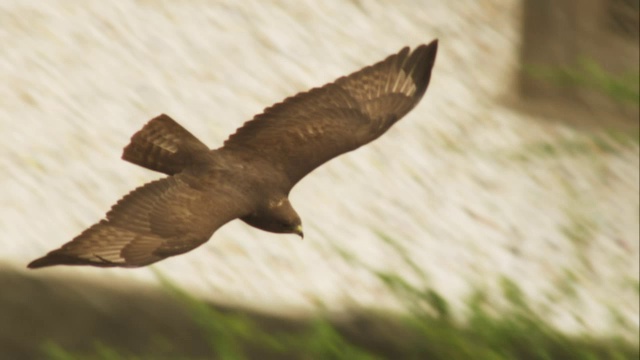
(251, 175)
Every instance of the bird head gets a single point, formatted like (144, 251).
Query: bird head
(278, 216)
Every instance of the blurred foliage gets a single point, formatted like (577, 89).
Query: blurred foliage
(591, 144)
(429, 330)
(589, 74)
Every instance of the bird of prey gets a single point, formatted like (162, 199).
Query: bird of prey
(251, 175)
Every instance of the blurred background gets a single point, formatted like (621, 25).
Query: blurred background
(499, 219)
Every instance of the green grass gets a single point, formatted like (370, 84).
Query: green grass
(590, 145)
(587, 73)
(429, 329)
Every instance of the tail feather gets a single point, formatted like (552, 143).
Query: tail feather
(163, 145)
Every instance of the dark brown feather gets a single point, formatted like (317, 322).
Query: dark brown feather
(306, 130)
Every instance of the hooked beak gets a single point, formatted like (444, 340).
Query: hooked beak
(298, 231)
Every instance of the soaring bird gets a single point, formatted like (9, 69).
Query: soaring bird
(251, 175)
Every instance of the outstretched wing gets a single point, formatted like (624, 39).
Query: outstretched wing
(163, 218)
(310, 128)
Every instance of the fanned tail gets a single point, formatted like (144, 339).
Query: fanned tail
(163, 145)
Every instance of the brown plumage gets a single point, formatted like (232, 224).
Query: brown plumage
(250, 177)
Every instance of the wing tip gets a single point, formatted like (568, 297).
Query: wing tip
(55, 258)
(426, 53)
(432, 50)
(39, 263)
(420, 64)
(430, 47)
(50, 259)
